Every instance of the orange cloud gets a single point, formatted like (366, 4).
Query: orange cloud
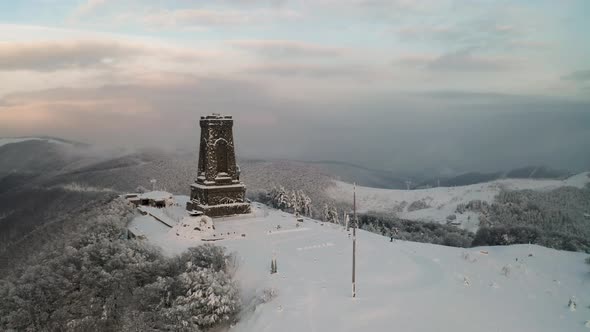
(33, 114)
(80, 54)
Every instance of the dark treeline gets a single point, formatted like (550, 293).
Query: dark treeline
(555, 219)
(506, 235)
(447, 235)
(25, 210)
(416, 231)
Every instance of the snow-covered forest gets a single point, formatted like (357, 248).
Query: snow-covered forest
(554, 214)
(554, 219)
(294, 201)
(95, 279)
(410, 230)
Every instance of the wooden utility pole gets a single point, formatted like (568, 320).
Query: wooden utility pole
(354, 242)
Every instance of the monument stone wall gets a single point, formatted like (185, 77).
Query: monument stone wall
(217, 191)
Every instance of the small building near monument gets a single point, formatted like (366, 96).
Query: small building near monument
(158, 199)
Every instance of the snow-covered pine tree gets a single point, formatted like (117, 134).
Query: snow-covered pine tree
(211, 298)
(330, 214)
(300, 198)
(326, 213)
(272, 194)
(334, 215)
(281, 199)
(307, 205)
(293, 203)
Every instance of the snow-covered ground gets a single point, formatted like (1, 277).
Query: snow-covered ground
(10, 140)
(401, 286)
(442, 201)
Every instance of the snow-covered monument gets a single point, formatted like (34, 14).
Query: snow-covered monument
(217, 191)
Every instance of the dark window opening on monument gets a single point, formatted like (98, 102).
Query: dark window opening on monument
(221, 154)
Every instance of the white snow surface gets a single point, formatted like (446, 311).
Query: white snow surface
(9, 140)
(401, 286)
(156, 195)
(442, 201)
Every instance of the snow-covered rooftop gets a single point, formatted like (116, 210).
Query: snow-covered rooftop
(156, 195)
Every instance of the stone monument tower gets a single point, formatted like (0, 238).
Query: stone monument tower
(217, 191)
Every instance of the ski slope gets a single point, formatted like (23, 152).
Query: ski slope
(442, 201)
(401, 286)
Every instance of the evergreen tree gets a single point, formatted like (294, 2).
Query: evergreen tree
(307, 205)
(280, 198)
(293, 202)
(326, 213)
(334, 218)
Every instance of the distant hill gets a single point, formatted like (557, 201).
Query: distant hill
(363, 176)
(49, 139)
(385, 179)
(529, 172)
(556, 205)
(33, 166)
(536, 172)
(33, 156)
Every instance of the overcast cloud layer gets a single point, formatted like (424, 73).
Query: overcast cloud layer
(401, 85)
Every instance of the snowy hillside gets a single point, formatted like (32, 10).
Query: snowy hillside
(435, 204)
(401, 286)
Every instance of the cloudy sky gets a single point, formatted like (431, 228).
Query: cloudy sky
(391, 84)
